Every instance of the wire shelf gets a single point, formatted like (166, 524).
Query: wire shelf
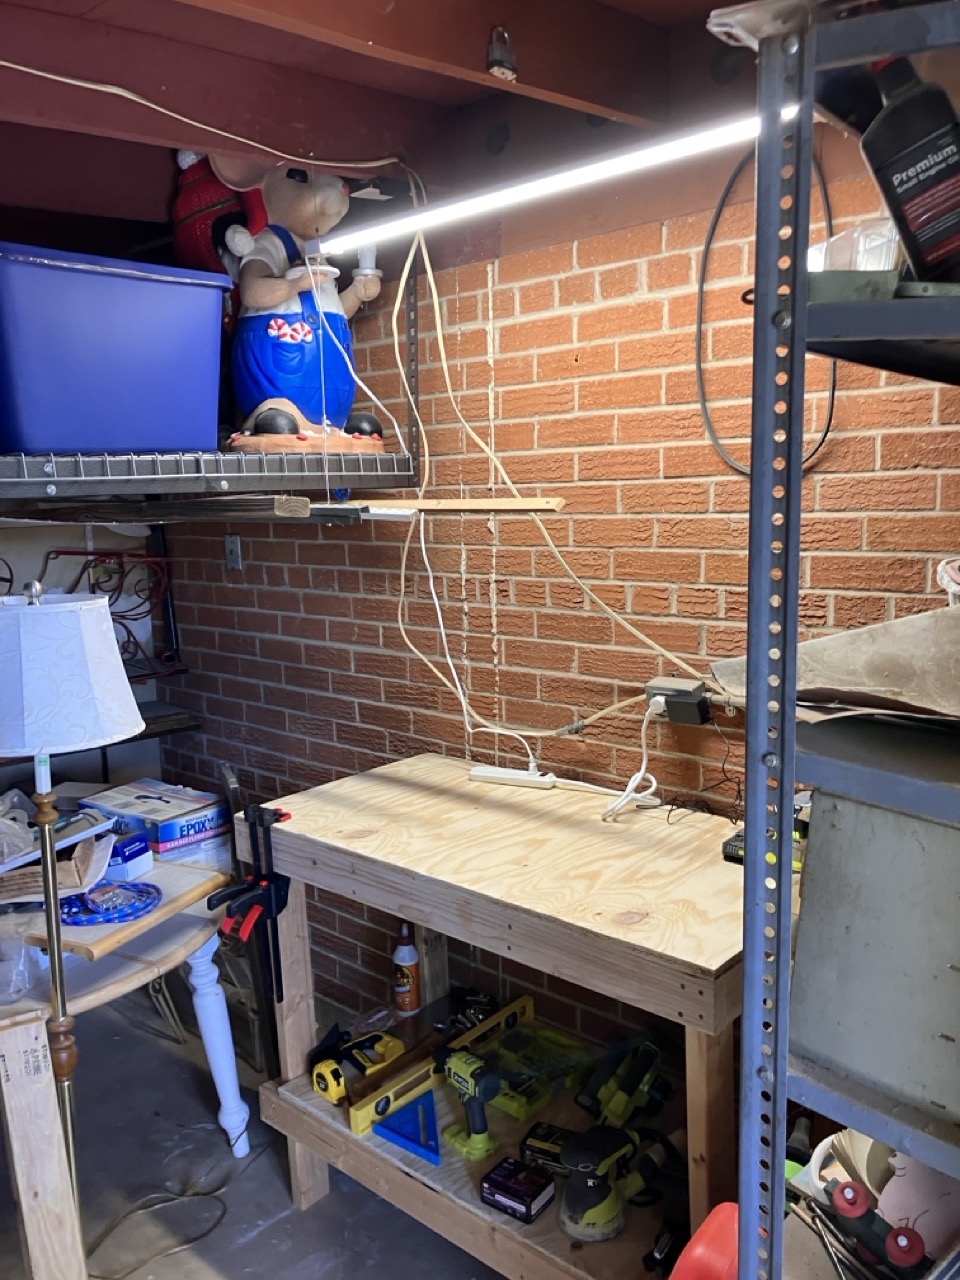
(90, 475)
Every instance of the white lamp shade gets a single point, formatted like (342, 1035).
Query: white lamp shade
(62, 683)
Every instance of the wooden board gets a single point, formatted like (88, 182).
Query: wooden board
(35, 1150)
(182, 885)
(144, 958)
(446, 1197)
(643, 909)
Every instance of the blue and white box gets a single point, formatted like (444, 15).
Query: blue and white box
(131, 858)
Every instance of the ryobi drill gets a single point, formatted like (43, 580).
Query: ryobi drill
(477, 1084)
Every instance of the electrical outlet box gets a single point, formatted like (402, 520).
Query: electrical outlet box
(232, 551)
(686, 700)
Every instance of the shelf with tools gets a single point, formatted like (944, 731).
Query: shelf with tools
(447, 1197)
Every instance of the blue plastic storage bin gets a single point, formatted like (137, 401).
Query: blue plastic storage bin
(98, 355)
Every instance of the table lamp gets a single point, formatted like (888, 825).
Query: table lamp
(63, 689)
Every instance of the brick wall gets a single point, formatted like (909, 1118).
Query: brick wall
(575, 361)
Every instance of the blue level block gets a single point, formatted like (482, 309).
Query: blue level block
(414, 1128)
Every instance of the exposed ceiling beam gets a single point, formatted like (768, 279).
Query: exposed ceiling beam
(295, 111)
(576, 53)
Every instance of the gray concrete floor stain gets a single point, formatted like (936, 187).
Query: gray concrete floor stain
(146, 1124)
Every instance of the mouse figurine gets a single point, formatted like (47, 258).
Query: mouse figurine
(292, 359)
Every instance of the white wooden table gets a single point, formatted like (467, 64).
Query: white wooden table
(118, 959)
(642, 909)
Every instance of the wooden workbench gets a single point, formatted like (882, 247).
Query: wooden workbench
(643, 909)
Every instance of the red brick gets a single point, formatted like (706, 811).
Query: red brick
(530, 335)
(576, 362)
(552, 261)
(831, 533)
(619, 282)
(884, 408)
(877, 493)
(618, 464)
(657, 566)
(699, 460)
(576, 289)
(662, 351)
(538, 401)
(541, 296)
(950, 492)
(689, 232)
(682, 496)
(937, 534)
(620, 246)
(868, 572)
(620, 321)
(934, 450)
(582, 628)
(625, 391)
(702, 531)
(859, 610)
(670, 271)
(587, 431)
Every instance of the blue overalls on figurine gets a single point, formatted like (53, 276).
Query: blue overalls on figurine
(291, 351)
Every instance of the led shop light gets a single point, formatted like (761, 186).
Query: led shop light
(637, 160)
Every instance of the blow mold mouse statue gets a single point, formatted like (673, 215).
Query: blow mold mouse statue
(292, 360)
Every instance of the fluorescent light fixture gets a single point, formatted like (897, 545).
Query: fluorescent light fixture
(637, 160)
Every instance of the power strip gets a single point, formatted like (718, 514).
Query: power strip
(512, 777)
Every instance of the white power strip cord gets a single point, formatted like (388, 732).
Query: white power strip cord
(645, 799)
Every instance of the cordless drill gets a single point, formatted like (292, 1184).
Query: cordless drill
(477, 1084)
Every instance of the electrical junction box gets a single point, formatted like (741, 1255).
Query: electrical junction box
(686, 699)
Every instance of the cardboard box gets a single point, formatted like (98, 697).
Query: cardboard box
(172, 818)
(131, 858)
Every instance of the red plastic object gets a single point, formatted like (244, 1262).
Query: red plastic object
(851, 1199)
(904, 1247)
(712, 1251)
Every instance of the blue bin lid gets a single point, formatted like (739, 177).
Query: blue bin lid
(34, 255)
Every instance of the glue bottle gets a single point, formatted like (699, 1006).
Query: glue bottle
(406, 973)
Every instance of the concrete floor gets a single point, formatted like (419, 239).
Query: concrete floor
(146, 1123)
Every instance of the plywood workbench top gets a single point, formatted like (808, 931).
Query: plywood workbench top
(643, 908)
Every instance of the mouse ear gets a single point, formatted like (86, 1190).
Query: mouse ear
(242, 173)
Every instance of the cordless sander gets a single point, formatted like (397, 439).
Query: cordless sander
(609, 1168)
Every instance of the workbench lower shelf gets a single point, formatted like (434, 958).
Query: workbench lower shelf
(447, 1197)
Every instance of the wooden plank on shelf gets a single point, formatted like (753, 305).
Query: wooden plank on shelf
(182, 885)
(48, 1215)
(643, 909)
(447, 1198)
(462, 504)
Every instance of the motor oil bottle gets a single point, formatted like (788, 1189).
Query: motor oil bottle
(913, 148)
(406, 973)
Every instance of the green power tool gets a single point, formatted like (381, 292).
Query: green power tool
(608, 1169)
(477, 1084)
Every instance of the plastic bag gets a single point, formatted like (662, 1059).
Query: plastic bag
(21, 967)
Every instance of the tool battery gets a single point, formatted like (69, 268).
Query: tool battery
(521, 1190)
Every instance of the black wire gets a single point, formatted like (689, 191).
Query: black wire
(718, 213)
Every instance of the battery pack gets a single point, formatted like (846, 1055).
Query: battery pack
(521, 1190)
(541, 1146)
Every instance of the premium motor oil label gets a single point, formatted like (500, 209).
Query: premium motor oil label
(926, 181)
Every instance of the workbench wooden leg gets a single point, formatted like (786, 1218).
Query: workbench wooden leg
(49, 1225)
(711, 1121)
(297, 1035)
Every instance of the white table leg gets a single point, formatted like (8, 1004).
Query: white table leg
(210, 1006)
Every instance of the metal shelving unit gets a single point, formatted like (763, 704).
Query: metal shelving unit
(101, 475)
(904, 335)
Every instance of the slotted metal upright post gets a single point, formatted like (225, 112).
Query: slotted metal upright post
(783, 211)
